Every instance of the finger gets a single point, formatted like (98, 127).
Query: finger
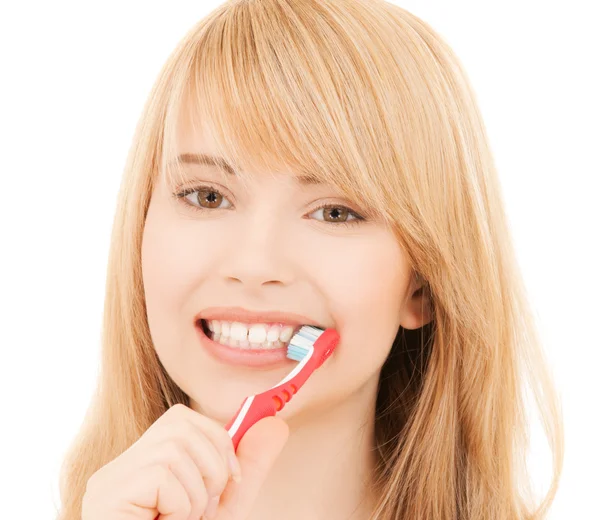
(159, 490)
(188, 474)
(207, 459)
(257, 452)
(181, 431)
(173, 455)
(213, 430)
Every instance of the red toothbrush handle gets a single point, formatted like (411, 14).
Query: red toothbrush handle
(252, 410)
(265, 404)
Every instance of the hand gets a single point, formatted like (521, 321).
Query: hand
(179, 468)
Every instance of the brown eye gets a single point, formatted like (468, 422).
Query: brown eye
(203, 197)
(335, 214)
(208, 198)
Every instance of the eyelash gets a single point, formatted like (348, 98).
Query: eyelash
(181, 196)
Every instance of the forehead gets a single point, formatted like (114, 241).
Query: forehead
(192, 136)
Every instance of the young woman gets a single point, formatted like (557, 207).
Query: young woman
(313, 162)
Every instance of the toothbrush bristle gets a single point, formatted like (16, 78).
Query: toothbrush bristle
(302, 342)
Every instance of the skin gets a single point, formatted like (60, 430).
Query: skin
(268, 247)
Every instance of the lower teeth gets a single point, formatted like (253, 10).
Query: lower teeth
(226, 340)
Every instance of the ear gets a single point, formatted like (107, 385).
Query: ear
(416, 310)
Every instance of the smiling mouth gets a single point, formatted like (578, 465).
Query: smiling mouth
(255, 336)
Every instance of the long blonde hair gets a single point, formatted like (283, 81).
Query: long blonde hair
(366, 96)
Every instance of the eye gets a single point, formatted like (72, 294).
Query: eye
(338, 215)
(203, 197)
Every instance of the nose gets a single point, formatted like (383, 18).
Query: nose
(257, 253)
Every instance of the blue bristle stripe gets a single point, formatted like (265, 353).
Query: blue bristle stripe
(298, 352)
(302, 342)
(299, 348)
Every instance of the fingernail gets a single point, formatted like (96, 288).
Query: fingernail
(234, 466)
(211, 508)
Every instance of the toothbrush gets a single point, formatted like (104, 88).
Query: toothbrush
(311, 346)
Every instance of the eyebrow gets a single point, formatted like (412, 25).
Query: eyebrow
(221, 163)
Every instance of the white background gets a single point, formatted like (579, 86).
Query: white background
(74, 77)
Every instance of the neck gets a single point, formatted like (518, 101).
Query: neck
(325, 469)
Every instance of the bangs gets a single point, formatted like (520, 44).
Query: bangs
(279, 90)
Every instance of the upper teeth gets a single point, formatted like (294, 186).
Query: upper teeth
(245, 335)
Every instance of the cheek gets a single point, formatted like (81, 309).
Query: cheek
(171, 257)
(160, 267)
(367, 290)
(176, 256)
(171, 260)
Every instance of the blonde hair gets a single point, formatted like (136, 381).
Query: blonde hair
(366, 96)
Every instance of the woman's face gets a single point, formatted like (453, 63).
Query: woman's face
(266, 246)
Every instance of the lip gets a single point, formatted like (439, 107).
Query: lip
(274, 358)
(242, 315)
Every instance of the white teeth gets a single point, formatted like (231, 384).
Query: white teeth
(246, 336)
(238, 331)
(273, 334)
(257, 334)
(224, 328)
(286, 334)
(246, 345)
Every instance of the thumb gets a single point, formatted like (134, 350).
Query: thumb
(257, 452)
